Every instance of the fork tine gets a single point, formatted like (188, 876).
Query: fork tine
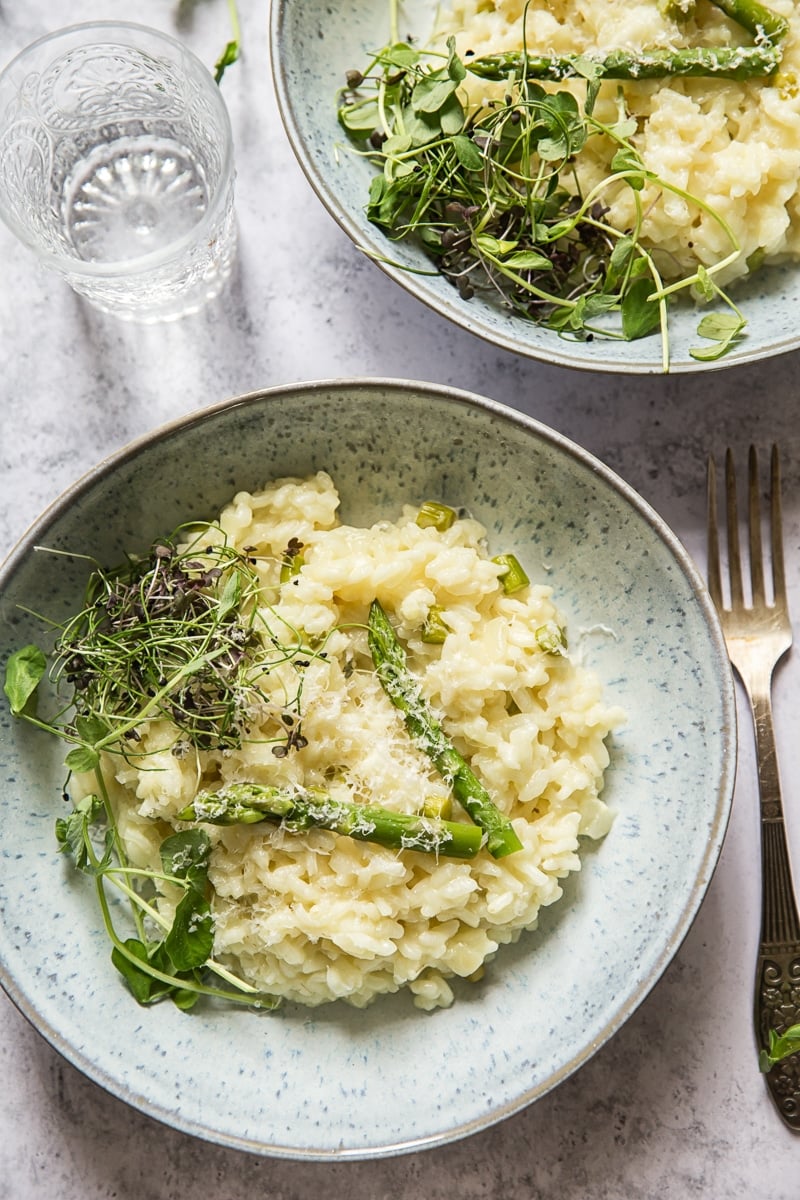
(712, 536)
(778, 574)
(734, 557)
(754, 525)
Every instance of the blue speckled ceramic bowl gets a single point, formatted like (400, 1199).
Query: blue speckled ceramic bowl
(313, 45)
(313, 1083)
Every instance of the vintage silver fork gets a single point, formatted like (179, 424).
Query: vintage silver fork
(758, 633)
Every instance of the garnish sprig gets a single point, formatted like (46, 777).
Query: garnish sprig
(184, 635)
(177, 964)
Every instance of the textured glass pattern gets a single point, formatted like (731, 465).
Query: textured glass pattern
(116, 168)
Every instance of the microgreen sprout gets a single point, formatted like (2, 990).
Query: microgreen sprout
(183, 635)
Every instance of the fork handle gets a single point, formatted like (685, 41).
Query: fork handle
(779, 920)
(777, 993)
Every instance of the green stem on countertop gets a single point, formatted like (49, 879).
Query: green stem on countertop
(740, 62)
(232, 48)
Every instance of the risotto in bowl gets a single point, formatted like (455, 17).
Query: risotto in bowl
(588, 182)
(371, 753)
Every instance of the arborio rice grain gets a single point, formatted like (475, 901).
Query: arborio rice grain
(734, 145)
(316, 917)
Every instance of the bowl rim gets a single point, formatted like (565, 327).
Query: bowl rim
(561, 355)
(81, 1059)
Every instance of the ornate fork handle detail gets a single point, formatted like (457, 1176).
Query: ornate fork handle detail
(777, 994)
(777, 1007)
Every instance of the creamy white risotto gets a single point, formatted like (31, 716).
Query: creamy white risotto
(317, 916)
(734, 145)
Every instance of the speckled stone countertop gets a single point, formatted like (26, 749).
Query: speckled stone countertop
(673, 1107)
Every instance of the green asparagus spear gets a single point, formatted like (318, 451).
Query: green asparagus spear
(403, 690)
(300, 809)
(742, 62)
(760, 21)
(723, 62)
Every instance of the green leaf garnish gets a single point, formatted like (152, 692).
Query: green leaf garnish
(178, 636)
(627, 159)
(24, 672)
(723, 330)
(145, 987)
(82, 758)
(640, 314)
(72, 831)
(176, 965)
(431, 93)
(185, 856)
(229, 56)
(191, 938)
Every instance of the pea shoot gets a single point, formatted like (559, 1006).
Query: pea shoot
(176, 963)
(781, 1046)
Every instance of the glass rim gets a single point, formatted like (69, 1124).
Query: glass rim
(153, 258)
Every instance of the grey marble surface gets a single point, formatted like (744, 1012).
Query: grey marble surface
(673, 1107)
